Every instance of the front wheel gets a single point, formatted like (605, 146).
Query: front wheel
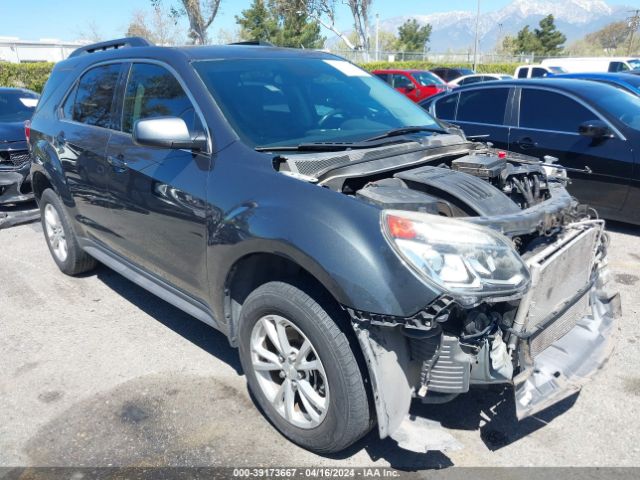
(301, 369)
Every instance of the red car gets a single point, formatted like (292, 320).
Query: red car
(415, 84)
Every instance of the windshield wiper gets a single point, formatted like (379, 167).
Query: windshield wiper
(395, 132)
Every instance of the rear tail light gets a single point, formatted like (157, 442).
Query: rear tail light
(27, 130)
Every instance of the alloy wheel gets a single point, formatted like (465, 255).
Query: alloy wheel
(289, 371)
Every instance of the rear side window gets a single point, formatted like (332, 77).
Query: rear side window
(545, 110)
(522, 73)
(617, 67)
(152, 91)
(538, 72)
(445, 108)
(94, 96)
(470, 80)
(486, 105)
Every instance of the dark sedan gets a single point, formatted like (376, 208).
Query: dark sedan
(593, 128)
(16, 106)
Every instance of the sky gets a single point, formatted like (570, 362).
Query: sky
(68, 19)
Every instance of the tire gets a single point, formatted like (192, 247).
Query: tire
(58, 232)
(347, 416)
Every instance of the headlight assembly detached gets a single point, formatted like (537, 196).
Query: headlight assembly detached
(469, 261)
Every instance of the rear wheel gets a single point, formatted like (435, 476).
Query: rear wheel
(61, 238)
(301, 369)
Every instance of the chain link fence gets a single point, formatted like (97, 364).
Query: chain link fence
(362, 56)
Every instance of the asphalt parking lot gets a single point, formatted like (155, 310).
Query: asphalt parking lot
(97, 372)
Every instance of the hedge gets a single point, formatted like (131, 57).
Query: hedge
(508, 68)
(34, 75)
(25, 75)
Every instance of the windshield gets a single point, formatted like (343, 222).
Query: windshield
(17, 106)
(427, 78)
(634, 64)
(284, 102)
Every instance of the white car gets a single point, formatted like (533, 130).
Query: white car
(477, 78)
(538, 71)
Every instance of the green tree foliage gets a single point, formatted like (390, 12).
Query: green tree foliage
(25, 75)
(610, 36)
(545, 40)
(257, 22)
(412, 37)
(550, 38)
(283, 23)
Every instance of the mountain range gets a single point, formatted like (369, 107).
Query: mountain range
(454, 31)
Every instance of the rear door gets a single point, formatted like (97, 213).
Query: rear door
(548, 124)
(86, 120)
(161, 216)
(483, 113)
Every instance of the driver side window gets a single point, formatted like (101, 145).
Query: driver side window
(400, 81)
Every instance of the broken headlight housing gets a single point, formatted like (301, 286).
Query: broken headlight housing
(468, 261)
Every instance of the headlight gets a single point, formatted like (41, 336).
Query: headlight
(469, 261)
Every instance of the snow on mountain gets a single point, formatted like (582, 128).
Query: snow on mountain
(455, 30)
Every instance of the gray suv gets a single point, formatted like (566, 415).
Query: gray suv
(360, 254)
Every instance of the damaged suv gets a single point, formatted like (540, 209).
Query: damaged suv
(360, 254)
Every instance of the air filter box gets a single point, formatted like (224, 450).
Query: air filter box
(483, 166)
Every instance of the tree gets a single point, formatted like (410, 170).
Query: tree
(257, 22)
(546, 40)
(412, 37)
(156, 27)
(550, 38)
(283, 23)
(324, 12)
(610, 36)
(527, 42)
(200, 13)
(91, 32)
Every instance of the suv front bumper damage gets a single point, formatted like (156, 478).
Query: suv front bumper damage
(562, 335)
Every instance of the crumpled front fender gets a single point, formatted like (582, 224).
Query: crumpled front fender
(386, 352)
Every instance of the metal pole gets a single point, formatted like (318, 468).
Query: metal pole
(475, 43)
(377, 37)
(634, 22)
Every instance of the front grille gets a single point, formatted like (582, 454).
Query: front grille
(14, 158)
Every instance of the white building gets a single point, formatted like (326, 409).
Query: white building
(14, 50)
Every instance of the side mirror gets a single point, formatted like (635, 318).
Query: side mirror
(595, 129)
(410, 87)
(166, 132)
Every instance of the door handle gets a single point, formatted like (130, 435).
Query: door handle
(117, 163)
(526, 143)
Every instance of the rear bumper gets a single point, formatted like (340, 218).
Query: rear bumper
(568, 363)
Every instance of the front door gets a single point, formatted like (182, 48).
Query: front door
(548, 125)
(161, 216)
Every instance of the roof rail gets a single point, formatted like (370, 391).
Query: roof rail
(257, 43)
(112, 45)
